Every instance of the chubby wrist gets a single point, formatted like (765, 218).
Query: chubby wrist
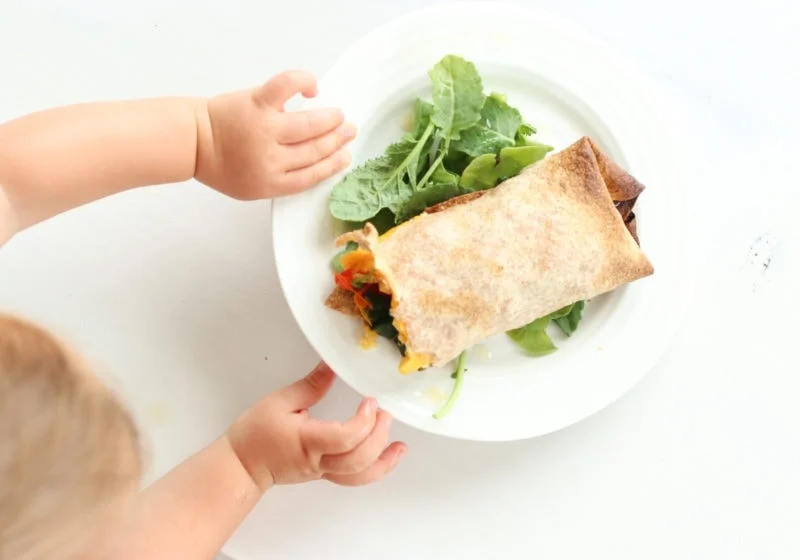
(239, 440)
(204, 164)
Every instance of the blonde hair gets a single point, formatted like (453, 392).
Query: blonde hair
(68, 448)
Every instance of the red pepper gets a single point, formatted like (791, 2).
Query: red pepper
(345, 281)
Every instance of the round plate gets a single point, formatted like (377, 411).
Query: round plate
(567, 84)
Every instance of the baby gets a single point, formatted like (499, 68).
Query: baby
(70, 459)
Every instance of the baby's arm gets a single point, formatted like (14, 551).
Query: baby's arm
(242, 144)
(191, 512)
(59, 159)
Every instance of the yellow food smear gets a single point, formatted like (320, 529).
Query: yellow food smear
(159, 413)
(370, 338)
(362, 261)
(402, 336)
(434, 394)
(412, 362)
(359, 260)
(387, 234)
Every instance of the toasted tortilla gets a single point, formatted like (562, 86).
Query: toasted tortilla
(342, 301)
(496, 260)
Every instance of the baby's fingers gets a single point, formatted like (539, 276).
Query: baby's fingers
(312, 151)
(301, 179)
(308, 391)
(380, 468)
(307, 125)
(363, 456)
(333, 438)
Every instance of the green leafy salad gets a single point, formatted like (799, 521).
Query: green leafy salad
(461, 142)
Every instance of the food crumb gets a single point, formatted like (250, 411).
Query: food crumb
(407, 122)
(434, 394)
(158, 413)
(482, 352)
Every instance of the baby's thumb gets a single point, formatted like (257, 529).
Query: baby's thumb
(278, 90)
(309, 391)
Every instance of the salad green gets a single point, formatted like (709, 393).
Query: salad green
(533, 337)
(461, 124)
(461, 142)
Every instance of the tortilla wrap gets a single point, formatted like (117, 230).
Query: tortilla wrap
(469, 269)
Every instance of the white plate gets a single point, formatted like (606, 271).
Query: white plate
(567, 84)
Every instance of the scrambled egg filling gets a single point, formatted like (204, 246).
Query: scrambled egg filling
(361, 261)
(412, 362)
(370, 338)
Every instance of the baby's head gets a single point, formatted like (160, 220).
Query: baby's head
(69, 452)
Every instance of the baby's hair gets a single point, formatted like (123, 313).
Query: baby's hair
(69, 450)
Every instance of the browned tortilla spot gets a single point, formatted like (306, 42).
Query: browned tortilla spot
(621, 185)
(342, 301)
(457, 201)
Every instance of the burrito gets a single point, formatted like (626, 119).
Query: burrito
(561, 231)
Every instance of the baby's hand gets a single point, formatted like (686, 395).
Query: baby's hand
(278, 442)
(249, 148)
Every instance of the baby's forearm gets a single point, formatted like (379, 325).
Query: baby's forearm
(8, 220)
(192, 511)
(61, 158)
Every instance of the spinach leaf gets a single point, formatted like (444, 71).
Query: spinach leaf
(515, 159)
(480, 173)
(457, 102)
(525, 130)
(497, 129)
(456, 162)
(457, 96)
(569, 322)
(533, 337)
(442, 186)
(380, 317)
(443, 177)
(377, 184)
(431, 195)
(422, 118)
(420, 162)
(383, 222)
(336, 261)
(484, 172)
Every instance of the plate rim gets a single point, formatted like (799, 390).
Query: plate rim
(684, 274)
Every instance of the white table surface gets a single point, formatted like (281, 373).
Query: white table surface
(174, 290)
